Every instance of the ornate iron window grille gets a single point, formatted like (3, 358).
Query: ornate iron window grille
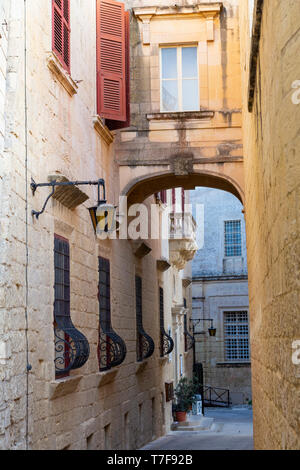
(166, 342)
(71, 346)
(188, 338)
(145, 344)
(111, 348)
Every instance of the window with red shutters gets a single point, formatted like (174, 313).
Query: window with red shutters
(113, 63)
(61, 31)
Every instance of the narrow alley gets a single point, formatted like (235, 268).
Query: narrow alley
(229, 429)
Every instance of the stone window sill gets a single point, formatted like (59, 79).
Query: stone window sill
(163, 360)
(233, 364)
(181, 116)
(140, 366)
(61, 75)
(103, 130)
(62, 387)
(106, 377)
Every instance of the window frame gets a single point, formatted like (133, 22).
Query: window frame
(237, 336)
(180, 79)
(233, 245)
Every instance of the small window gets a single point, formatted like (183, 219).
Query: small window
(233, 238)
(236, 336)
(179, 79)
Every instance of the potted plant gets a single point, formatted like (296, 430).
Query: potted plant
(184, 393)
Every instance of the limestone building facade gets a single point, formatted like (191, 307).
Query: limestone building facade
(83, 364)
(271, 109)
(220, 295)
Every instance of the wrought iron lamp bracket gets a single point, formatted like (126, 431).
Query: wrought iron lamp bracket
(53, 184)
(196, 321)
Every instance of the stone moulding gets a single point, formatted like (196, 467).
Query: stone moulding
(163, 360)
(70, 196)
(103, 130)
(62, 387)
(208, 10)
(181, 116)
(61, 75)
(140, 249)
(186, 281)
(163, 265)
(140, 366)
(107, 377)
(200, 8)
(228, 365)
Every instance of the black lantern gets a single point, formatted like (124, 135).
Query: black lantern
(212, 331)
(106, 218)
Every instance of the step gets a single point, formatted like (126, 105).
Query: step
(197, 424)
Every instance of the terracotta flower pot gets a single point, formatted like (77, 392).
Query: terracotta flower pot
(180, 416)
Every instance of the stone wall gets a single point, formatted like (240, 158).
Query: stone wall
(272, 175)
(56, 136)
(212, 299)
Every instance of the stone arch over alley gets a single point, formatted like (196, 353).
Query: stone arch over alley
(222, 176)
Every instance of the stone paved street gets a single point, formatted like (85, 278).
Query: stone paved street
(232, 430)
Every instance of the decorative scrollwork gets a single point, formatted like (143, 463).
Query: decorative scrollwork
(145, 346)
(111, 350)
(71, 346)
(189, 340)
(166, 344)
(71, 349)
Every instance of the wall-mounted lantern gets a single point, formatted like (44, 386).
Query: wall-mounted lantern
(103, 215)
(195, 321)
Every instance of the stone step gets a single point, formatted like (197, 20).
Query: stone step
(197, 424)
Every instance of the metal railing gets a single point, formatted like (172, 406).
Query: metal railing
(215, 396)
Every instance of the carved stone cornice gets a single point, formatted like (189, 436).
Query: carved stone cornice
(181, 252)
(61, 75)
(163, 265)
(208, 10)
(103, 130)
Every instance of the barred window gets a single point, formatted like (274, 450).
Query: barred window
(166, 342)
(236, 335)
(111, 348)
(71, 346)
(233, 238)
(144, 342)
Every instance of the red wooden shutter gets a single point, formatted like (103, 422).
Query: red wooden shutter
(111, 63)
(61, 31)
(112, 124)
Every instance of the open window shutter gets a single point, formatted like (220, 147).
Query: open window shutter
(66, 28)
(111, 63)
(61, 31)
(112, 124)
